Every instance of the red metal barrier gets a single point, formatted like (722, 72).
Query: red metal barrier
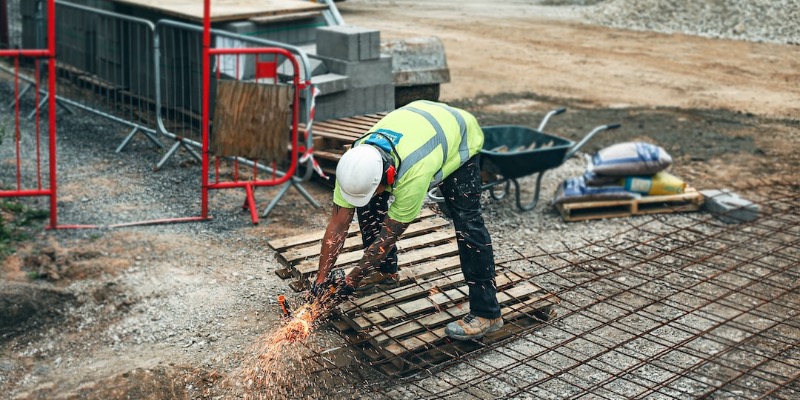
(264, 69)
(22, 186)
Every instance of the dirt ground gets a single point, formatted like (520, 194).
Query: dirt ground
(168, 312)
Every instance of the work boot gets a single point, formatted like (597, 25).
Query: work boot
(378, 278)
(472, 327)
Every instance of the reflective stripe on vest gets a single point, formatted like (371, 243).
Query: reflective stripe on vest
(438, 139)
(463, 147)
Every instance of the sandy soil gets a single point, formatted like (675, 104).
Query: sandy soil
(167, 312)
(514, 47)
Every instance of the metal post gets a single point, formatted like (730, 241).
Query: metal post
(205, 106)
(51, 87)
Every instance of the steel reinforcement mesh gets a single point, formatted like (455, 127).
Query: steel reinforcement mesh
(678, 306)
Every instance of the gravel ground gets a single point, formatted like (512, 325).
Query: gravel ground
(754, 20)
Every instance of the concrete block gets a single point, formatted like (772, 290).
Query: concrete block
(355, 101)
(329, 84)
(349, 43)
(363, 73)
(728, 207)
(316, 66)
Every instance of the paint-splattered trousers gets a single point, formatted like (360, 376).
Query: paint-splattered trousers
(462, 195)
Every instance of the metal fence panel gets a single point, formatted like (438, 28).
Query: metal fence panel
(107, 66)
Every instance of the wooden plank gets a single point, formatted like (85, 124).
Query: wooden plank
(316, 236)
(402, 293)
(447, 349)
(363, 119)
(286, 17)
(349, 133)
(433, 267)
(298, 253)
(426, 304)
(350, 126)
(226, 10)
(430, 322)
(429, 338)
(404, 258)
(282, 243)
(690, 200)
(283, 273)
(333, 135)
(442, 272)
(328, 155)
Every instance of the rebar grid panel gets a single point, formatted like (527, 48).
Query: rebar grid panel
(675, 307)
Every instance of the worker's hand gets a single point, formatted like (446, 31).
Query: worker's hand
(343, 292)
(327, 288)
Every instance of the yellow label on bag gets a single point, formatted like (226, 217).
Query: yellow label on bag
(662, 183)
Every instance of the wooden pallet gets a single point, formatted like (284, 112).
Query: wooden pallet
(401, 330)
(423, 240)
(333, 137)
(404, 334)
(690, 200)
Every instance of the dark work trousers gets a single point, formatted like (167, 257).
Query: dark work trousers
(462, 195)
(370, 220)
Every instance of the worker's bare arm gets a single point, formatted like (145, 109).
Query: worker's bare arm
(376, 252)
(332, 242)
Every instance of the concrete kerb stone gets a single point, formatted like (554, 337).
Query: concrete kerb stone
(329, 84)
(729, 207)
(349, 43)
(355, 101)
(365, 73)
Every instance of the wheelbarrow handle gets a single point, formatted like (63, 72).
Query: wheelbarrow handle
(550, 114)
(574, 149)
(435, 195)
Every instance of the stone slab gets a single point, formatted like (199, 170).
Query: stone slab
(729, 207)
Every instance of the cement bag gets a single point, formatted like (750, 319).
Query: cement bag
(630, 159)
(662, 183)
(574, 190)
(593, 179)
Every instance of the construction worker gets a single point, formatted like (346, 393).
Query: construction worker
(409, 151)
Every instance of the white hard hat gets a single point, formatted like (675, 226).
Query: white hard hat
(359, 173)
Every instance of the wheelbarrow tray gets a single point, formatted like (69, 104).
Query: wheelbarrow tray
(541, 151)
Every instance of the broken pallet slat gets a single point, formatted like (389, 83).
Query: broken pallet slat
(690, 200)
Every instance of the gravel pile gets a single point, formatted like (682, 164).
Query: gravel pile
(773, 21)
